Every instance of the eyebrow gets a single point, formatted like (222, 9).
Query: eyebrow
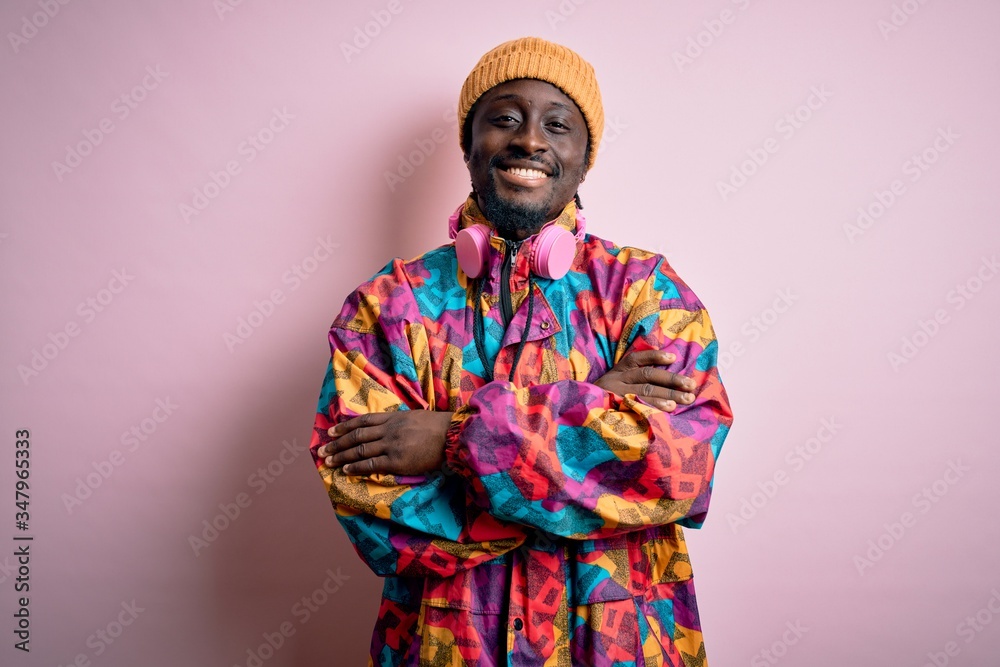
(514, 96)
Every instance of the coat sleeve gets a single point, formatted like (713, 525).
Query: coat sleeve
(576, 461)
(406, 526)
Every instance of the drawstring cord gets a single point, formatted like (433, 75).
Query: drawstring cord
(477, 329)
(479, 332)
(524, 332)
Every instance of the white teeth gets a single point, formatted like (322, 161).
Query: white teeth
(527, 173)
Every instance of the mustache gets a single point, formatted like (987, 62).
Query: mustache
(497, 160)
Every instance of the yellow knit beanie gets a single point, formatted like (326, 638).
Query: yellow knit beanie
(536, 58)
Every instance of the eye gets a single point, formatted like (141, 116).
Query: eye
(504, 119)
(559, 125)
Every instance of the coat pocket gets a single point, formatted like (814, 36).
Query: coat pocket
(479, 590)
(626, 566)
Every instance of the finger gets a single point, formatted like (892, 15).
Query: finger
(367, 419)
(377, 465)
(656, 376)
(649, 393)
(647, 358)
(652, 393)
(362, 451)
(670, 380)
(358, 436)
(665, 404)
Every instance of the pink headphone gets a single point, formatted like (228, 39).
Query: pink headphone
(551, 256)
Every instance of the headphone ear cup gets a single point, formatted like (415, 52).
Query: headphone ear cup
(472, 246)
(553, 253)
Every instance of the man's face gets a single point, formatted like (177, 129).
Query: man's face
(527, 154)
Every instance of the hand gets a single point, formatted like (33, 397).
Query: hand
(408, 442)
(637, 373)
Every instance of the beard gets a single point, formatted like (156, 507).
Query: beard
(512, 220)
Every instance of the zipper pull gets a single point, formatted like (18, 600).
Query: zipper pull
(506, 307)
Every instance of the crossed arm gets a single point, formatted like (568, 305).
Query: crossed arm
(412, 442)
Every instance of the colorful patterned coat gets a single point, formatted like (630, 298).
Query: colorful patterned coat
(553, 534)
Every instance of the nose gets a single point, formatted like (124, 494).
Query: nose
(529, 137)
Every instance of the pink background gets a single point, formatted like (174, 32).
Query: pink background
(676, 130)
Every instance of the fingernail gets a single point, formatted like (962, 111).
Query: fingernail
(329, 462)
(689, 397)
(347, 470)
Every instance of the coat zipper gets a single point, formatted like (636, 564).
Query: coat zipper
(506, 304)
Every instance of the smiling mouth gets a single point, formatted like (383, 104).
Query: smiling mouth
(530, 174)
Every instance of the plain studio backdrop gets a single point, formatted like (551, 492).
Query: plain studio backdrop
(190, 190)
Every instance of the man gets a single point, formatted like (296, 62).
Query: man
(514, 428)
